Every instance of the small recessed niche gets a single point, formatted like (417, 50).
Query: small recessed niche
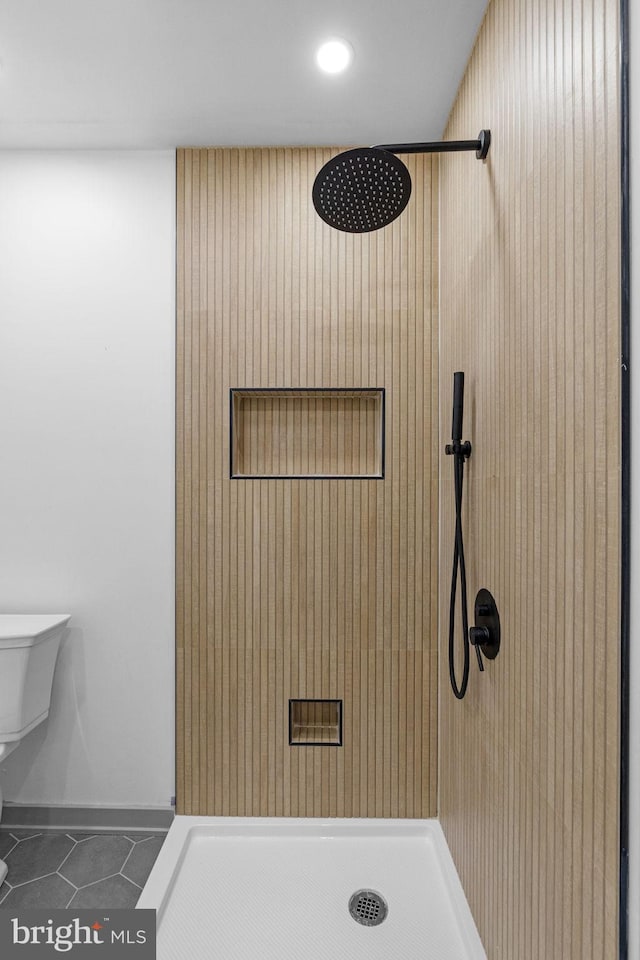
(327, 433)
(315, 723)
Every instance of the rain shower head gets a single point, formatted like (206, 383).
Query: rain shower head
(362, 190)
(367, 188)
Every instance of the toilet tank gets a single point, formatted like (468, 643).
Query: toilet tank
(29, 646)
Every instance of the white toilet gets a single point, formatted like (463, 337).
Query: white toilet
(29, 646)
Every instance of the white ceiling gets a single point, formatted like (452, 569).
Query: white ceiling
(164, 73)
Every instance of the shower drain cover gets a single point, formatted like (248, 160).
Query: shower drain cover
(368, 908)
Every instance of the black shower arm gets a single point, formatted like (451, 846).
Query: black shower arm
(439, 146)
(481, 146)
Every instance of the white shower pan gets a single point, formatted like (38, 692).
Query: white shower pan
(279, 889)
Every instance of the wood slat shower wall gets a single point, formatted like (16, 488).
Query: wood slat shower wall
(530, 311)
(303, 588)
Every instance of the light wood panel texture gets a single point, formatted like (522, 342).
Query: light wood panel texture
(333, 433)
(304, 588)
(530, 311)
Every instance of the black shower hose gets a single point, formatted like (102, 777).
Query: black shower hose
(459, 564)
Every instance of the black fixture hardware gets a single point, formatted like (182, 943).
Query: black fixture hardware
(460, 451)
(367, 188)
(481, 146)
(485, 635)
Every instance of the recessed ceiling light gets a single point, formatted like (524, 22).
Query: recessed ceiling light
(334, 56)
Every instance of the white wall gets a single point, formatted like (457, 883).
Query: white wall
(87, 273)
(634, 847)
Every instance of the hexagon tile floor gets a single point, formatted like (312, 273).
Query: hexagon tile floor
(58, 870)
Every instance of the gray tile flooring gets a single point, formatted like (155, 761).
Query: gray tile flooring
(75, 869)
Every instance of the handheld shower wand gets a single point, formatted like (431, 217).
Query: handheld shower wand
(460, 451)
(458, 408)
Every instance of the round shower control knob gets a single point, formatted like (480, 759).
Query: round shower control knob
(479, 635)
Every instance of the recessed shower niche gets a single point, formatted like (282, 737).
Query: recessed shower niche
(323, 433)
(315, 723)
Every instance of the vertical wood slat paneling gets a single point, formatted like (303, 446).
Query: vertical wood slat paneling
(317, 589)
(528, 787)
